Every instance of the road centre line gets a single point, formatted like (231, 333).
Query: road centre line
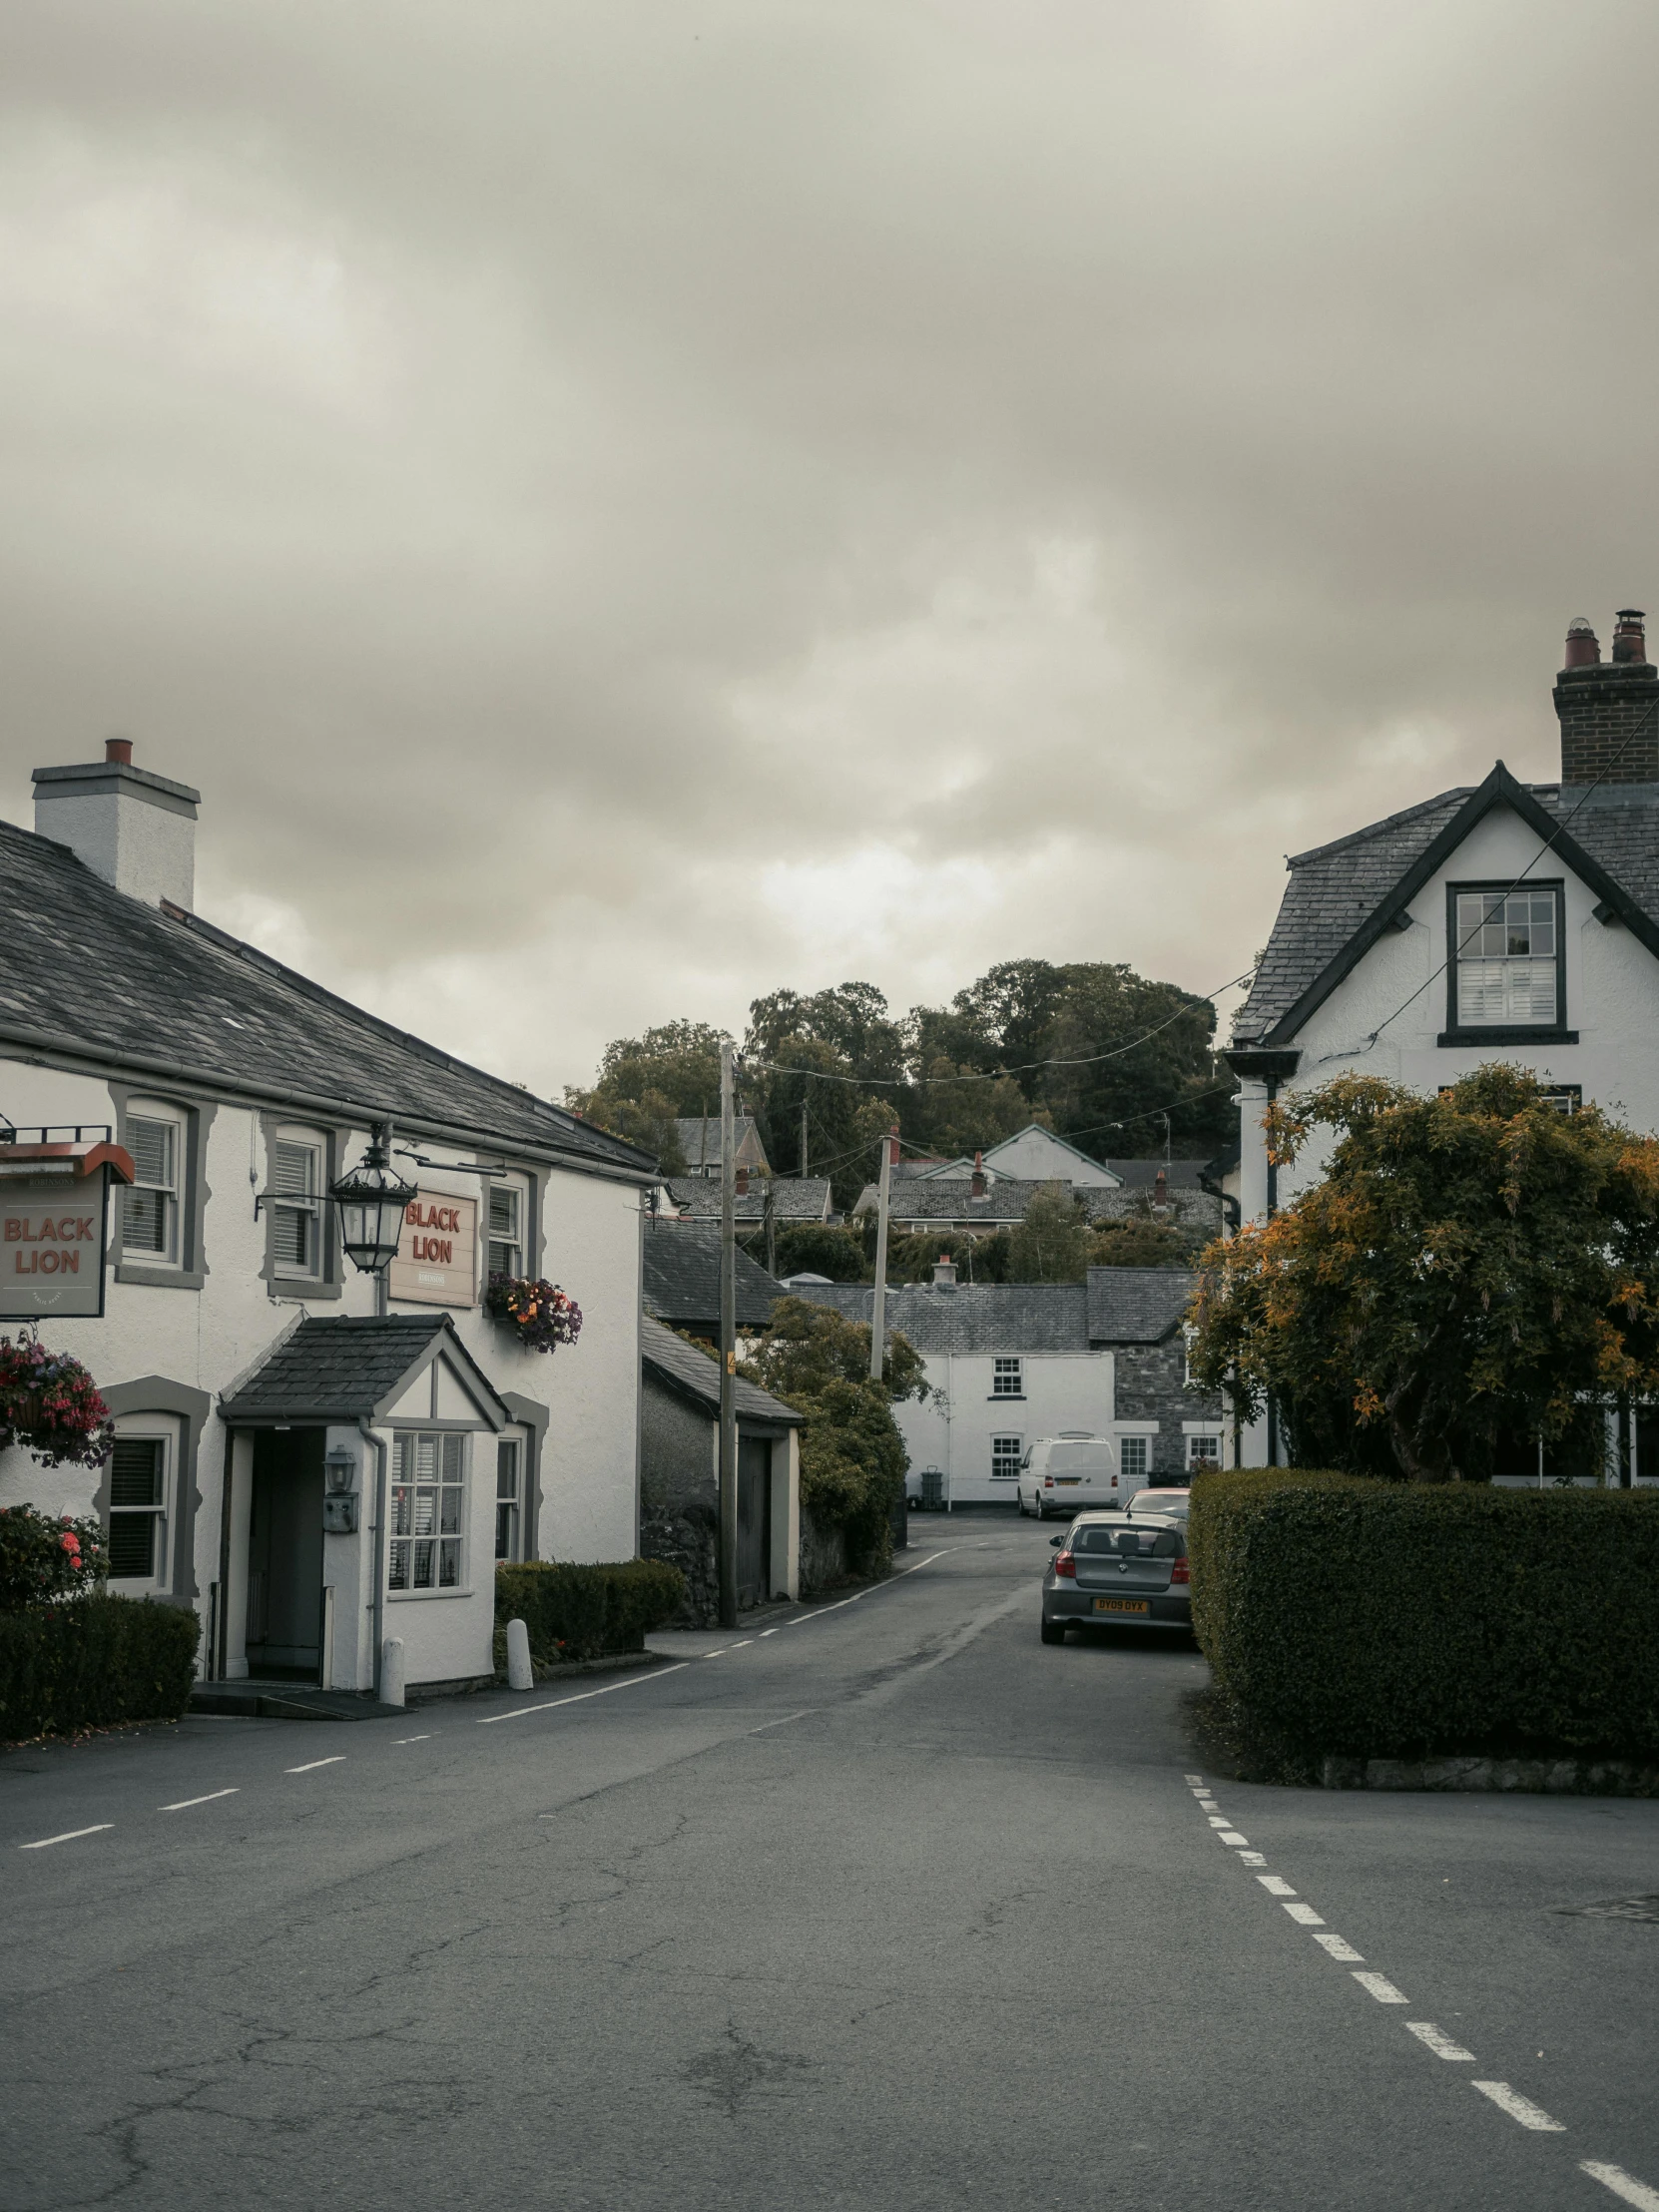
(1340, 1947)
(633, 1681)
(1275, 1885)
(184, 1805)
(1622, 2184)
(427, 1739)
(68, 1836)
(1439, 2041)
(311, 1765)
(1519, 2108)
(1231, 1837)
(1304, 1916)
(783, 1723)
(1382, 1989)
(801, 1620)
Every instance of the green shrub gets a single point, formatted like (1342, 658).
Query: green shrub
(580, 1612)
(92, 1662)
(1379, 1620)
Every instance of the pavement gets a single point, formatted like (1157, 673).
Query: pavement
(883, 1904)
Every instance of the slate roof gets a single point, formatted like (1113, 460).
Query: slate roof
(974, 1317)
(794, 1197)
(692, 1375)
(946, 1199)
(89, 970)
(700, 1139)
(1139, 1175)
(337, 1368)
(682, 1277)
(1137, 1306)
(1336, 889)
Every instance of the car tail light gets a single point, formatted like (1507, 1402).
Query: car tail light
(1064, 1563)
(1048, 1481)
(1179, 1572)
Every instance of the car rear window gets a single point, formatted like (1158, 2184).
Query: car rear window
(1131, 1543)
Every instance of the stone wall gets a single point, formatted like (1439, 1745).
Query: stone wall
(1151, 1386)
(823, 1555)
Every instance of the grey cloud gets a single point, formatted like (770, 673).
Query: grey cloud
(726, 491)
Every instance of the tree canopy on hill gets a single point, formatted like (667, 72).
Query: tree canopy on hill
(1089, 1049)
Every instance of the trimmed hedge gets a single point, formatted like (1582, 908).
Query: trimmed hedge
(1389, 1620)
(93, 1662)
(575, 1612)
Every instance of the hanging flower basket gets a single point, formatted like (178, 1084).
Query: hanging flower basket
(537, 1312)
(50, 1406)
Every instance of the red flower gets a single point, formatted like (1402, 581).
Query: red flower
(71, 1545)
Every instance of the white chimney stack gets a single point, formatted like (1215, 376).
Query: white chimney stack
(135, 830)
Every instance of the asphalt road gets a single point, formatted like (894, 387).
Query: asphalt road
(889, 1907)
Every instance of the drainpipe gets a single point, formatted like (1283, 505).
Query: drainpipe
(377, 1447)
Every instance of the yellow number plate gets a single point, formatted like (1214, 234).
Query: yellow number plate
(1121, 1605)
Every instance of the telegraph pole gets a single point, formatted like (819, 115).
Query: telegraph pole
(728, 1346)
(878, 1316)
(802, 1131)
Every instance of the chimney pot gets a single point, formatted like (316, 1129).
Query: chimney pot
(976, 1189)
(119, 750)
(1629, 637)
(1609, 712)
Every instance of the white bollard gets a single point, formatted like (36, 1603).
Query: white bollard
(391, 1671)
(519, 1676)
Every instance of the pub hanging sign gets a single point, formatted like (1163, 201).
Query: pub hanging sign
(54, 1227)
(438, 1254)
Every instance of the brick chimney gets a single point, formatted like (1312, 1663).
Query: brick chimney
(1602, 705)
(741, 1182)
(135, 830)
(944, 1272)
(1160, 1190)
(976, 1189)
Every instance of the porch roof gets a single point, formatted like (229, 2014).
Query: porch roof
(692, 1375)
(340, 1368)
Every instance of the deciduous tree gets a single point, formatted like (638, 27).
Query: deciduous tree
(1471, 1265)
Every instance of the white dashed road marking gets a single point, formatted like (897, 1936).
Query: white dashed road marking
(411, 1739)
(1519, 2109)
(582, 1696)
(1252, 1858)
(1231, 1835)
(1338, 1948)
(184, 1805)
(1622, 2184)
(68, 1836)
(1275, 1885)
(1439, 2041)
(1304, 1916)
(311, 1765)
(1382, 1989)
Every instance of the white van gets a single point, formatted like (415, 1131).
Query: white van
(1073, 1472)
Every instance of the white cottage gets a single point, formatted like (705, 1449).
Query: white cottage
(1509, 920)
(314, 1460)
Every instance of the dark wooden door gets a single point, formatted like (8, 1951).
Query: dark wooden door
(285, 1555)
(754, 1520)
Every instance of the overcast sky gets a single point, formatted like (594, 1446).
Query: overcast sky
(624, 506)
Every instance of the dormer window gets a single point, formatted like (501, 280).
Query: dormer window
(1507, 972)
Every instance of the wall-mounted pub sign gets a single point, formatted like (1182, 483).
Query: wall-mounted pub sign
(54, 1227)
(438, 1254)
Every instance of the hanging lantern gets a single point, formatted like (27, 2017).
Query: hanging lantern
(370, 1204)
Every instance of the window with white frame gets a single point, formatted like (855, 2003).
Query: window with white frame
(1203, 1452)
(1007, 1379)
(296, 1203)
(139, 1480)
(1508, 959)
(1005, 1458)
(509, 1498)
(429, 1510)
(1189, 1335)
(150, 1215)
(1134, 1457)
(506, 1229)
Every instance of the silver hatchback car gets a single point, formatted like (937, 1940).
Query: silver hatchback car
(1110, 1570)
